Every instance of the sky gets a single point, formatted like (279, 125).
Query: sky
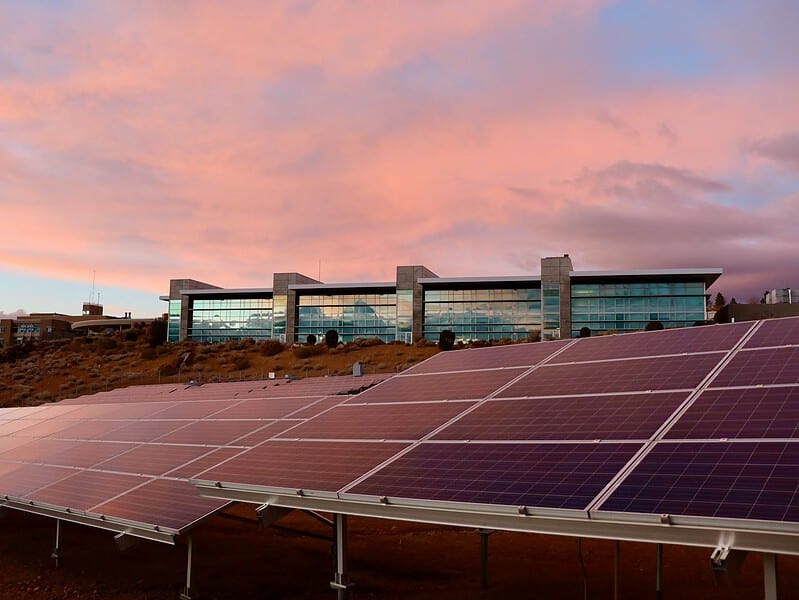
(151, 140)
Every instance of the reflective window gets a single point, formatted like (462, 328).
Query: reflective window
(482, 314)
(630, 306)
(224, 319)
(352, 315)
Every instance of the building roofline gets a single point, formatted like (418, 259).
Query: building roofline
(511, 279)
(340, 286)
(709, 274)
(225, 291)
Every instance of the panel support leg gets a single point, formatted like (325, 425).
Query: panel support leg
(56, 555)
(616, 570)
(659, 573)
(484, 533)
(340, 581)
(770, 576)
(186, 594)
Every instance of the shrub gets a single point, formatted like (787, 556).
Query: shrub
(271, 347)
(149, 354)
(331, 338)
(446, 340)
(307, 351)
(241, 363)
(654, 326)
(311, 339)
(157, 334)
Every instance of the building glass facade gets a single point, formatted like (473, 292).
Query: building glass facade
(219, 319)
(352, 315)
(482, 314)
(630, 306)
(173, 321)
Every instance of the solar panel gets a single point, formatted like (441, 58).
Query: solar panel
(740, 480)
(565, 476)
(153, 459)
(767, 366)
(469, 385)
(664, 373)
(618, 417)
(320, 466)
(377, 421)
(516, 355)
(775, 332)
(656, 343)
(83, 489)
(741, 413)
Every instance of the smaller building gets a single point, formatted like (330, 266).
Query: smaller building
(780, 296)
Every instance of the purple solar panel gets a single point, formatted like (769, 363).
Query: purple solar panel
(761, 367)
(775, 332)
(736, 480)
(26, 478)
(318, 407)
(87, 454)
(84, 489)
(664, 373)
(564, 475)
(153, 459)
(618, 417)
(164, 502)
(214, 433)
(321, 466)
(191, 410)
(379, 421)
(655, 343)
(469, 385)
(741, 413)
(265, 408)
(516, 355)
(204, 462)
(142, 431)
(268, 430)
(39, 451)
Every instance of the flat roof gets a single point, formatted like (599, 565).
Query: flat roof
(342, 286)
(512, 279)
(709, 274)
(225, 291)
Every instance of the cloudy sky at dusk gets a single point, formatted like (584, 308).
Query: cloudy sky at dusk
(224, 142)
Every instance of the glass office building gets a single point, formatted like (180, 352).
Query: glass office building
(418, 304)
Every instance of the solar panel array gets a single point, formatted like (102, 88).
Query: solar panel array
(699, 423)
(124, 457)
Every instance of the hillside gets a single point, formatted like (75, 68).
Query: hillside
(53, 370)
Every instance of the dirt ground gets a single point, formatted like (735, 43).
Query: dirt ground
(234, 558)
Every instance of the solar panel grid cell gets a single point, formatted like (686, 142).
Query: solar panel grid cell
(152, 459)
(767, 366)
(516, 355)
(210, 459)
(24, 479)
(174, 504)
(664, 373)
(736, 480)
(563, 476)
(468, 385)
(274, 408)
(619, 417)
(265, 432)
(741, 413)
(775, 332)
(379, 421)
(84, 489)
(320, 466)
(212, 432)
(656, 343)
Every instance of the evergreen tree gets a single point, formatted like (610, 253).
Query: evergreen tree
(720, 301)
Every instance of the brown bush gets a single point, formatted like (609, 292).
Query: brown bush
(308, 351)
(271, 347)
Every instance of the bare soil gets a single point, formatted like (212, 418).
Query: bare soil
(234, 558)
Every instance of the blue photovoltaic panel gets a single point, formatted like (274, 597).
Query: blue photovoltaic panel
(619, 417)
(566, 476)
(736, 480)
(761, 367)
(741, 413)
(515, 355)
(470, 385)
(379, 421)
(775, 332)
(709, 338)
(321, 466)
(664, 373)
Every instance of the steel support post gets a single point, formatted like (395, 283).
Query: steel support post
(340, 581)
(484, 533)
(616, 570)
(659, 572)
(770, 576)
(56, 555)
(186, 594)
